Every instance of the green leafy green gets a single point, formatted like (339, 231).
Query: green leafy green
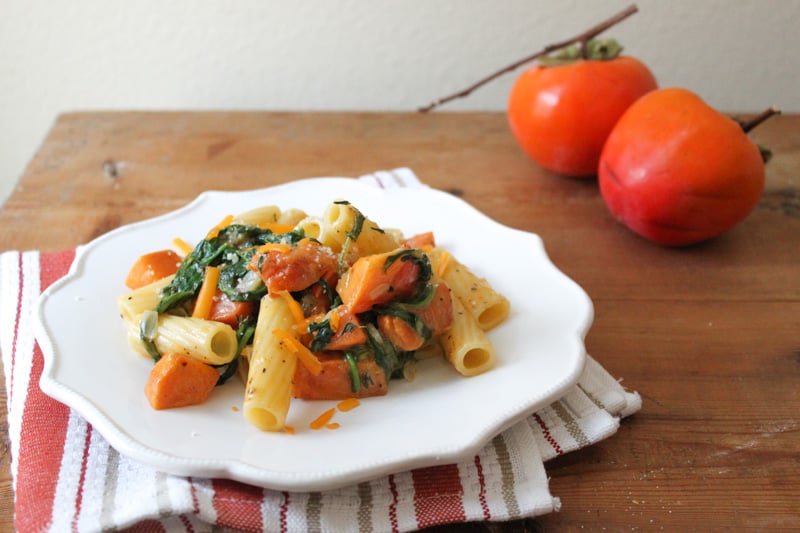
(352, 235)
(322, 333)
(352, 366)
(231, 250)
(148, 330)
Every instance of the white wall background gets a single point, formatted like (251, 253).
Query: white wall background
(57, 56)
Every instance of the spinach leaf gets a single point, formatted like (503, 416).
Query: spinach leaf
(352, 367)
(322, 333)
(352, 235)
(231, 250)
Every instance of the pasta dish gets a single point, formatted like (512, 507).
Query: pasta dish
(328, 307)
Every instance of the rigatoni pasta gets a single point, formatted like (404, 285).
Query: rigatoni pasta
(337, 232)
(132, 304)
(465, 344)
(488, 306)
(210, 341)
(271, 366)
(305, 306)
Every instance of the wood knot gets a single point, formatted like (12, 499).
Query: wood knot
(110, 169)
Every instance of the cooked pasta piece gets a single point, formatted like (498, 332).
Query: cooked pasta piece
(341, 219)
(259, 216)
(132, 304)
(211, 342)
(465, 344)
(291, 216)
(270, 216)
(271, 366)
(488, 306)
(311, 226)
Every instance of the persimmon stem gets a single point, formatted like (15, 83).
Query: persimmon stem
(758, 119)
(581, 38)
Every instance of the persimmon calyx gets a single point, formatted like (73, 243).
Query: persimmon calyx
(591, 49)
(747, 126)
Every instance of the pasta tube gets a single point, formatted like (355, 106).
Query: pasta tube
(269, 215)
(339, 221)
(311, 226)
(488, 306)
(132, 304)
(271, 364)
(211, 342)
(465, 344)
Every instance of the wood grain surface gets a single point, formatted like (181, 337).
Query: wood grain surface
(709, 334)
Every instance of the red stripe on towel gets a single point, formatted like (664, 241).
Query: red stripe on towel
(44, 427)
(487, 515)
(438, 495)
(238, 505)
(11, 371)
(393, 504)
(547, 436)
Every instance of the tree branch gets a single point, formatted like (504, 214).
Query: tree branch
(580, 38)
(758, 119)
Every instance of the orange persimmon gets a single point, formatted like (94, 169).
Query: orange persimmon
(420, 240)
(177, 381)
(561, 114)
(294, 269)
(152, 267)
(400, 333)
(371, 282)
(348, 331)
(438, 314)
(223, 309)
(677, 171)
(334, 382)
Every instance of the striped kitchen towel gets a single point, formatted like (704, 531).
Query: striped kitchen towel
(66, 477)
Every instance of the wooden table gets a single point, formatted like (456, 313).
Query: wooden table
(709, 335)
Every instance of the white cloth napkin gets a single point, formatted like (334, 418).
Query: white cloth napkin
(67, 477)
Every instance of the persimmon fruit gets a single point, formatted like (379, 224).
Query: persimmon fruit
(677, 171)
(562, 110)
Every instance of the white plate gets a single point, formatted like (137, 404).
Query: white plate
(440, 417)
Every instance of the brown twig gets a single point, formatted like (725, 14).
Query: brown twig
(758, 119)
(580, 38)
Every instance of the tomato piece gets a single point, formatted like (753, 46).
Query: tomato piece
(297, 268)
(562, 115)
(152, 267)
(223, 309)
(333, 383)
